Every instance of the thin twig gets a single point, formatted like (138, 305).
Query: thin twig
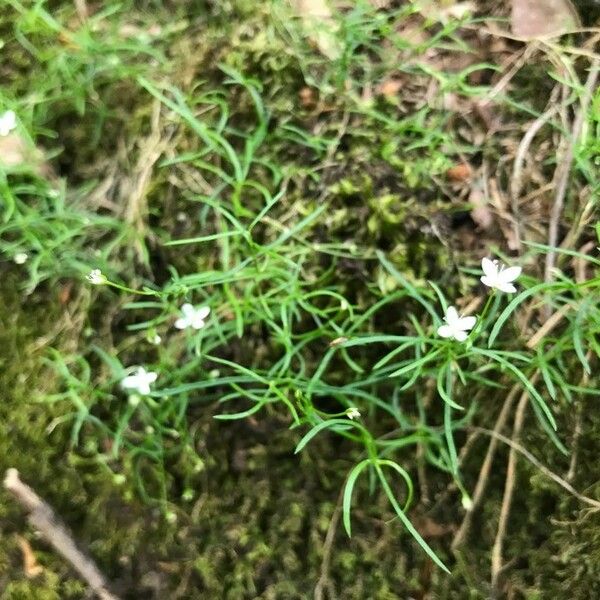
(517, 174)
(324, 579)
(536, 463)
(484, 472)
(42, 517)
(549, 324)
(564, 170)
(585, 379)
(575, 443)
(82, 10)
(509, 486)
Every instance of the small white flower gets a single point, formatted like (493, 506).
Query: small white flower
(140, 381)
(497, 276)
(8, 121)
(192, 317)
(95, 277)
(352, 413)
(456, 327)
(20, 258)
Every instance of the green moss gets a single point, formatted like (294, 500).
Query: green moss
(251, 517)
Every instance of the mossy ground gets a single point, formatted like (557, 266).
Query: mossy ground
(251, 517)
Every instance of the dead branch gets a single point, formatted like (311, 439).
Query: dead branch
(536, 463)
(43, 518)
(563, 171)
(484, 472)
(508, 491)
(324, 579)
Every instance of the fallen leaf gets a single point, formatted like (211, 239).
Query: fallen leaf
(531, 19)
(308, 97)
(429, 528)
(30, 564)
(389, 88)
(319, 25)
(64, 294)
(460, 172)
(445, 10)
(380, 4)
(480, 210)
(15, 151)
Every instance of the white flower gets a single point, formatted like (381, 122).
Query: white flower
(352, 413)
(499, 277)
(456, 327)
(96, 277)
(20, 258)
(192, 317)
(8, 121)
(140, 381)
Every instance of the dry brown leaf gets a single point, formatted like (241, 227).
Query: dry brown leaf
(308, 97)
(30, 564)
(389, 88)
(445, 10)
(531, 19)
(15, 151)
(480, 209)
(319, 25)
(460, 172)
(429, 528)
(381, 4)
(65, 293)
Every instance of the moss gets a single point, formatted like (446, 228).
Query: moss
(250, 516)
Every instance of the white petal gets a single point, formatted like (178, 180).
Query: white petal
(509, 288)
(510, 274)
(203, 312)
(466, 323)
(451, 315)
(8, 121)
(445, 331)
(460, 336)
(197, 322)
(151, 377)
(489, 281)
(130, 382)
(490, 268)
(143, 388)
(181, 323)
(187, 310)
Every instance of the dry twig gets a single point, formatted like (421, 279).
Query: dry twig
(43, 518)
(564, 169)
(509, 484)
(484, 472)
(324, 579)
(548, 326)
(545, 470)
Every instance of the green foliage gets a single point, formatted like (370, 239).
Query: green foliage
(317, 249)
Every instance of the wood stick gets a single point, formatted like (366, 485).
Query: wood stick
(43, 518)
(563, 170)
(508, 493)
(484, 473)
